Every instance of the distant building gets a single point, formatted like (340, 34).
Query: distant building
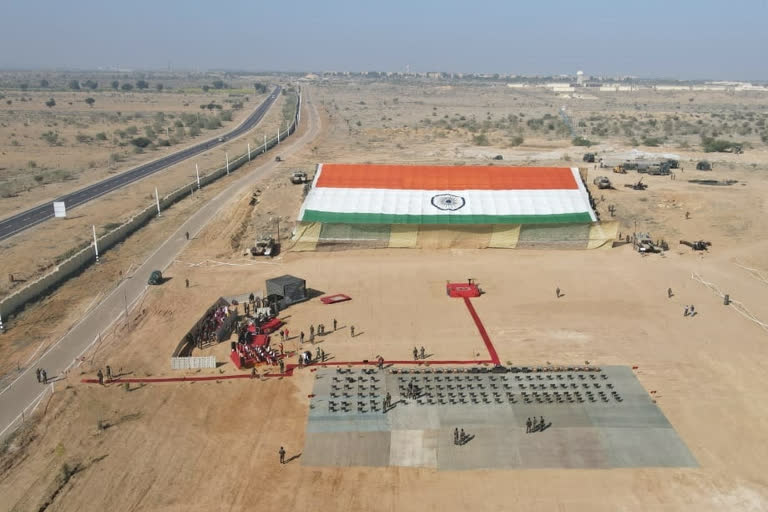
(580, 78)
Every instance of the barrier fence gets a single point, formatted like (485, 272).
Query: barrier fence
(86, 256)
(193, 363)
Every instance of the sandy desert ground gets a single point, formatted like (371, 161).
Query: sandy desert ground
(198, 446)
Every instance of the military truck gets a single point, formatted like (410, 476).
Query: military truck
(299, 177)
(643, 243)
(265, 246)
(602, 182)
(589, 158)
(703, 165)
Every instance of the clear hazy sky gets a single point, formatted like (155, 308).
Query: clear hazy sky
(649, 38)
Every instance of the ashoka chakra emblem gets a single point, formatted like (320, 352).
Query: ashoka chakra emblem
(448, 202)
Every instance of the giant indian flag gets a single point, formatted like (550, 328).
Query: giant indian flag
(401, 194)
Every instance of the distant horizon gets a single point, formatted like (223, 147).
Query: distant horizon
(507, 75)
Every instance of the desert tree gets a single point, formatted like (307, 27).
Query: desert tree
(90, 101)
(50, 103)
(115, 84)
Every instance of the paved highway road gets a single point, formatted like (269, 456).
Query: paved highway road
(24, 391)
(36, 215)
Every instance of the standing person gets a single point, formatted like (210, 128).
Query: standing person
(282, 366)
(187, 235)
(282, 353)
(100, 376)
(282, 335)
(541, 422)
(187, 282)
(528, 425)
(39, 377)
(669, 293)
(692, 310)
(415, 354)
(557, 292)
(322, 355)
(352, 330)
(311, 332)
(286, 335)
(389, 399)
(109, 373)
(251, 297)
(462, 436)
(44, 376)
(423, 353)
(685, 313)
(253, 372)
(282, 455)
(334, 325)
(455, 436)
(380, 362)
(301, 337)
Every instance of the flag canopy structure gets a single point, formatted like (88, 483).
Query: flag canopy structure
(401, 194)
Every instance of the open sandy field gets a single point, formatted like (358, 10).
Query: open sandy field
(208, 445)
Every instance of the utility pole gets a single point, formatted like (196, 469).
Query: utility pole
(157, 201)
(95, 243)
(249, 151)
(278, 230)
(197, 171)
(226, 155)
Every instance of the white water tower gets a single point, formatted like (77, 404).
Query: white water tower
(580, 78)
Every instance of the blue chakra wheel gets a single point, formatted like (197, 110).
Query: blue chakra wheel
(449, 202)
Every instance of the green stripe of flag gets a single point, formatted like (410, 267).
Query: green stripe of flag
(382, 218)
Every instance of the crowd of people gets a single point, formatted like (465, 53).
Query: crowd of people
(206, 334)
(257, 353)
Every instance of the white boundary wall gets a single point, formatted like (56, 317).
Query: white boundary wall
(192, 363)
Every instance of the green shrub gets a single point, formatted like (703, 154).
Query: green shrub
(581, 141)
(141, 142)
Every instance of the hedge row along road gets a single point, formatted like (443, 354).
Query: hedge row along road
(27, 219)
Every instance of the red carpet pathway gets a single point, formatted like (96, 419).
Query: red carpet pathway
(289, 369)
(483, 333)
